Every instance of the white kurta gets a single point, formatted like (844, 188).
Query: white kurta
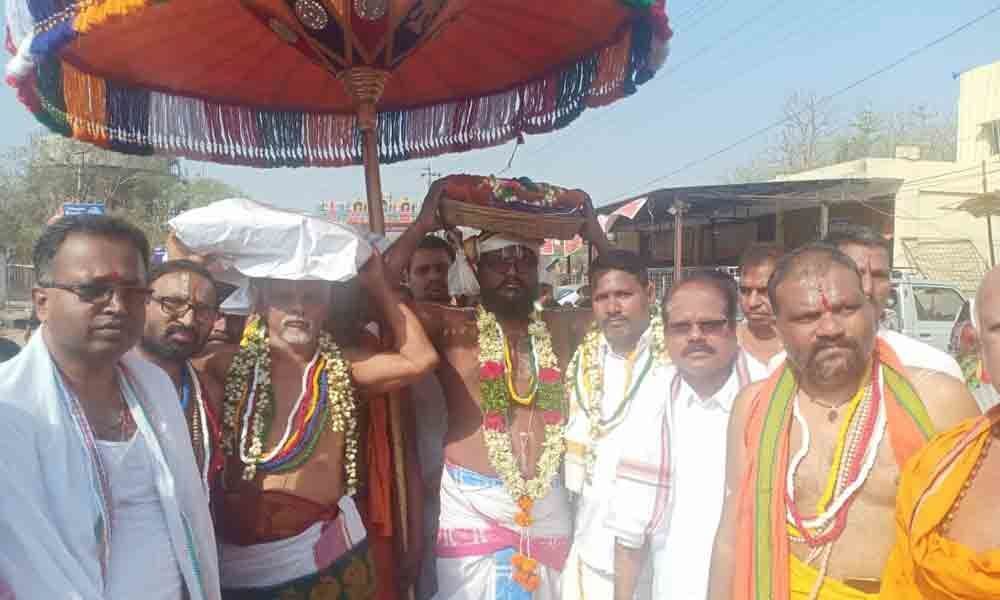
(682, 551)
(599, 518)
(58, 531)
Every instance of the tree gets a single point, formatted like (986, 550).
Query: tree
(812, 137)
(803, 139)
(37, 178)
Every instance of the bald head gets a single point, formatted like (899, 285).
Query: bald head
(987, 322)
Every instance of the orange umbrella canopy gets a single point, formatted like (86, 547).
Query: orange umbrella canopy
(282, 82)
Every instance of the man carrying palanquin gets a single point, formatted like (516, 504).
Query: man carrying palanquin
(757, 335)
(425, 275)
(505, 519)
(947, 528)
(815, 450)
(287, 518)
(616, 381)
(102, 498)
(179, 319)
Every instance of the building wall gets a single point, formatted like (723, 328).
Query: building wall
(923, 202)
(978, 113)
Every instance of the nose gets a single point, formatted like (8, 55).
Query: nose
(696, 334)
(117, 304)
(188, 318)
(830, 325)
(866, 282)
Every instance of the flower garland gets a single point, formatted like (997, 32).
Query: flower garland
(587, 367)
(496, 392)
(327, 399)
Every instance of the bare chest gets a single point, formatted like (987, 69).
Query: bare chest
(868, 531)
(317, 460)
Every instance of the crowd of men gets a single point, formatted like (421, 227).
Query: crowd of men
(156, 447)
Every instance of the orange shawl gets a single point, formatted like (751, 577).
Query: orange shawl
(762, 547)
(924, 565)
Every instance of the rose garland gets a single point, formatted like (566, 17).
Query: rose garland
(249, 408)
(586, 367)
(495, 388)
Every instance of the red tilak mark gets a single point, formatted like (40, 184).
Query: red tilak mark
(824, 300)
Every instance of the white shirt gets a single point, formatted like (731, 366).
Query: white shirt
(917, 354)
(142, 556)
(682, 554)
(594, 541)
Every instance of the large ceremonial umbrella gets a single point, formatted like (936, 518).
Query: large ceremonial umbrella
(274, 83)
(325, 82)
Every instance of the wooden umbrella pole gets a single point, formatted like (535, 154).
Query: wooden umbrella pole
(366, 86)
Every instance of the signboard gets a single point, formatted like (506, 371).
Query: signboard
(571, 246)
(71, 209)
(158, 256)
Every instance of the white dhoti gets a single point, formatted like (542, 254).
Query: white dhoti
(477, 539)
(326, 555)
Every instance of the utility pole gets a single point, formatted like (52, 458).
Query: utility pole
(989, 222)
(429, 175)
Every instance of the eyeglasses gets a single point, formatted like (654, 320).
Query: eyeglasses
(101, 293)
(706, 327)
(520, 257)
(178, 307)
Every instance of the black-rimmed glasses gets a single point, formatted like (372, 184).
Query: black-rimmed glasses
(178, 307)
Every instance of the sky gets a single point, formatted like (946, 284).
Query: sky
(732, 64)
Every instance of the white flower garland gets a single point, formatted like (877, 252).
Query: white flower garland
(586, 363)
(252, 367)
(499, 444)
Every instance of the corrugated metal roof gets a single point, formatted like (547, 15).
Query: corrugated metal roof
(954, 261)
(749, 200)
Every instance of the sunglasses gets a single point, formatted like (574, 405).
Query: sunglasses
(706, 327)
(101, 293)
(501, 260)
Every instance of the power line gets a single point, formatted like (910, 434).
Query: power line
(793, 33)
(823, 100)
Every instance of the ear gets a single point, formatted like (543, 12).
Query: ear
(651, 292)
(40, 300)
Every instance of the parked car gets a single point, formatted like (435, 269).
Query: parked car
(577, 294)
(924, 309)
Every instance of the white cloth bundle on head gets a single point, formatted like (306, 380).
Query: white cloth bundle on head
(255, 241)
(462, 279)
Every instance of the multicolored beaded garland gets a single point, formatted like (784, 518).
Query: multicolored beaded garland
(327, 398)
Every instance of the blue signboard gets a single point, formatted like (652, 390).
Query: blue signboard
(158, 256)
(76, 208)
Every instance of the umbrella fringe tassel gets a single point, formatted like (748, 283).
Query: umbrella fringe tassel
(134, 120)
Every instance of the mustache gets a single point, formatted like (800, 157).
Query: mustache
(172, 329)
(297, 322)
(841, 345)
(110, 324)
(698, 347)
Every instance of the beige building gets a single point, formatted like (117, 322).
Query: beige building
(928, 233)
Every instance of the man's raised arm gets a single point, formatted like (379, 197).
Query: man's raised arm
(412, 354)
(398, 255)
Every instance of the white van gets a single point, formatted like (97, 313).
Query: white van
(923, 309)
